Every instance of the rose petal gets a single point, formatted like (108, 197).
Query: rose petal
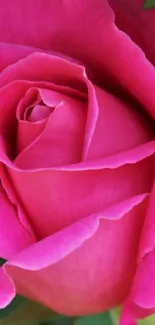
(14, 236)
(142, 293)
(119, 127)
(127, 317)
(58, 71)
(61, 141)
(93, 106)
(11, 194)
(71, 188)
(67, 27)
(8, 289)
(51, 69)
(28, 15)
(53, 261)
(94, 180)
(27, 102)
(26, 132)
(9, 97)
(137, 23)
(39, 113)
(148, 239)
(10, 53)
(130, 156)
(141, 300)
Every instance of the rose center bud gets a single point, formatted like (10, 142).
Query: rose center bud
(53, 121)
(31, 108)
(38, 112)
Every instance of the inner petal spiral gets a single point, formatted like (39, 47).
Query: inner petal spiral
(51, 124)
(38, 112)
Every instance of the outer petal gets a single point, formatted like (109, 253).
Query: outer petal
(66, 26)
(9, 97)
(119, 126)
(74, 270)
(7, 292)
(141, 300)
(13, 236)
(29, 23)
(10, 53)
(66, 190)
(137, 23)
(46, 68)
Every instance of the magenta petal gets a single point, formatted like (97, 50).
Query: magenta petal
(14, 237)
(51, 69)
(137, 23)
(9, 97)
(67, 27)
(26, 132)
(60, 72)
(61, 141)
(7, 291)
(119, 127)
(39, 113)
(9, 195)
(141, 300)
(10, 53)
(52, 262)
(131, 156)
(143, 290)
(25, 23)
(127, 317)
(142, 294)
(60, 185)
(109, 52)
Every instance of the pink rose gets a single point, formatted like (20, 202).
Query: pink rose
(77, 145)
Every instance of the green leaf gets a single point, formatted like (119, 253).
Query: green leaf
(100, 319)
(115, 315)
(62, 321)
(149, 4)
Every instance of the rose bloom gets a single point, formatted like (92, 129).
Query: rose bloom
(77, 164)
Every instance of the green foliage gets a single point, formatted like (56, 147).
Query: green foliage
(149, 4)
(100, 319)
(62, 321)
